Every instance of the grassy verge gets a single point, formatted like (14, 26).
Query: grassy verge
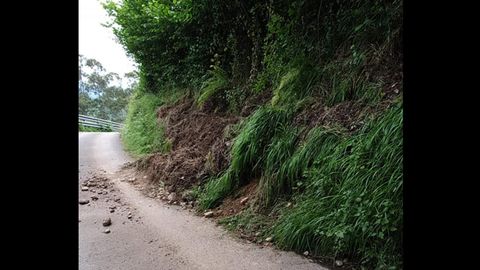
(143, 133)
(347, 189)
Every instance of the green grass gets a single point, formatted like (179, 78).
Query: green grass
(352, 203)
(142, 133)
(248, 221)
(279, 152)
(287, 163)
(217, 81)
(247, 153)
(347, 189)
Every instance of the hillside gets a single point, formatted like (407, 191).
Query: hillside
(283, 117)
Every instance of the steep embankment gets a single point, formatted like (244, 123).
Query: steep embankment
(284, 116)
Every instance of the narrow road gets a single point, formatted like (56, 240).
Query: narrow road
(159, 236)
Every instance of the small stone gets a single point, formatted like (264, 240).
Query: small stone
(112, 210)
(396, 91)
(112, 207)
(338, 262)
(208, 214)
(100, 192)
(268, 239)
(117, 200)
(145, 177)
(257, 234)
(84, 188)
(107, 222)
(244, 200)
(305, 253)
(94, 198)
(106, 231)
(289, 204)
(83, 201)
(172, 197)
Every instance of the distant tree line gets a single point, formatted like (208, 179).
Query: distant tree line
(101, 93)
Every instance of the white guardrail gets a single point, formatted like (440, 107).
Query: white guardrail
(88, 121)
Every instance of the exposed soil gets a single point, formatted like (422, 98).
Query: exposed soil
(199, 148)
(346, 114)
(232, 205)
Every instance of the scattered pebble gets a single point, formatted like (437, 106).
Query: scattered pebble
(244, 200)
(84, 188)
(306, 253)
(338, 262)
(106, 231)
(94, 198)
(208, 214)
(83, 201)
(269, 239)
(107, 222)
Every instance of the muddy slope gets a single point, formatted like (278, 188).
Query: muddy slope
(199, 148)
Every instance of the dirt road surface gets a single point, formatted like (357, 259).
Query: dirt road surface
(157, 235)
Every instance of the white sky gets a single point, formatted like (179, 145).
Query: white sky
(98, 42)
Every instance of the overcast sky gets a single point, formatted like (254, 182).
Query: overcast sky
(98, 42)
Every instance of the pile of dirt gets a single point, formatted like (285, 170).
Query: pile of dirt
(199, 148)
(346, 114)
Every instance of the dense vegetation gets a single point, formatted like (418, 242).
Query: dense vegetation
(343, 177)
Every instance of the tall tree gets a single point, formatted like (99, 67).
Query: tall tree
(103, 94)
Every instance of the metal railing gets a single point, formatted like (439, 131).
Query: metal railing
(88, 121)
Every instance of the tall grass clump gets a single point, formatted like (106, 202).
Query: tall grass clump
(279, 151)
(296, 84)
(287, 162)
(247, 153)
(142, 133)
(352, 203)
(217, 81)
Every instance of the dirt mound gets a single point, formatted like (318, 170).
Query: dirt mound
(198, 146)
